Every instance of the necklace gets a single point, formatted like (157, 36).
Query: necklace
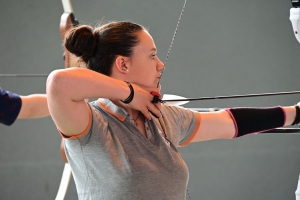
(135, 120)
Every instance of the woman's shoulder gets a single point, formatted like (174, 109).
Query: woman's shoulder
(173, 108)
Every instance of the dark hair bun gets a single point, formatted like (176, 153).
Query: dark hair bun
(81, 42)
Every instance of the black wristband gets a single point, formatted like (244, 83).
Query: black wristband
(297, 118)
(131, 95)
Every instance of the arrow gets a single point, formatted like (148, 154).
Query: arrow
(175, 100)
(168, 99)
(228, 97)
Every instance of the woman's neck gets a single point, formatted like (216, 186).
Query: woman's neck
(133, 113)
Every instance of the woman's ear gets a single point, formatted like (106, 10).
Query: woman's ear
(122, 64)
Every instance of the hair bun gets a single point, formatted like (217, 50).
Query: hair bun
(81, 42)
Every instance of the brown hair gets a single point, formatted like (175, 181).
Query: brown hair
(99, 47)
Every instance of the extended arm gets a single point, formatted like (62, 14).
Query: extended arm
(34, 106)
(220, 124)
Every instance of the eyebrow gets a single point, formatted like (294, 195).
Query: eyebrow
(153, 49)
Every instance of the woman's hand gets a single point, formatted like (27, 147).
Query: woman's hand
(142, 101)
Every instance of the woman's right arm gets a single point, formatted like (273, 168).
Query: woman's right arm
(67, 90)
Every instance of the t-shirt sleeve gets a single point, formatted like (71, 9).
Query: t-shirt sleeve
(181, 124)
(95, 130)
(10, 106)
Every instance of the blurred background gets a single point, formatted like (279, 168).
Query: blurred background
(221, 48)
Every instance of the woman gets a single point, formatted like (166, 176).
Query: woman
(13, 106)
(124, 145)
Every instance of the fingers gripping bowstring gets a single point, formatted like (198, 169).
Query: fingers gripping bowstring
(172, 41)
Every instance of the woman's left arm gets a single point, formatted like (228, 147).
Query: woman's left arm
(222, 125)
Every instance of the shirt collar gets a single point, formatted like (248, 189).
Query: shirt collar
(113, 109)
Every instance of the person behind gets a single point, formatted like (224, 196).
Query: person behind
(124, 145)
(14, 106)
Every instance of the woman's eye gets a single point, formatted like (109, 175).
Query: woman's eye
(153, 56)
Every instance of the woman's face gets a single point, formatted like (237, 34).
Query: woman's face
(145, 66)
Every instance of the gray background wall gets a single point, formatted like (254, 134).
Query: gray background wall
(222, 48)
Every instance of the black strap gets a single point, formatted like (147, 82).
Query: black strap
(297, 118)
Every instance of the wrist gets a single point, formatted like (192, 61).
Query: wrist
(131, 95)
(297, 116)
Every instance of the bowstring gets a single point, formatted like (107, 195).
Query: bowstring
(167, 57)
(172, 41)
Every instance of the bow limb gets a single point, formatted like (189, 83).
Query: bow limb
(67, 21)
(68, 8)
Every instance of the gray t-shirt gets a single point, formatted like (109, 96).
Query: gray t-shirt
(112, 159)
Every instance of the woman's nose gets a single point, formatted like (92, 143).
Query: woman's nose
(160, 66)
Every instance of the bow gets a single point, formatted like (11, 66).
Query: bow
(67, 21)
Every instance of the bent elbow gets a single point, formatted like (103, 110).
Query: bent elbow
(55, 82)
